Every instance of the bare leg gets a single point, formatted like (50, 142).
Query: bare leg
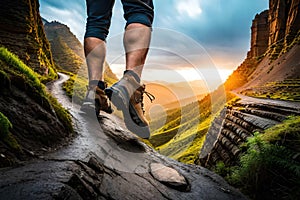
(95, 52)
(95, 100)
(136, 43)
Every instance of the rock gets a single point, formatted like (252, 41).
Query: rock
(272, 34)
(259, 34)
(124, 139)
(293, 22)
(34, 121)
(169, 176)
(284, 20)
(277, 20)
(22, 32)
(78, 179)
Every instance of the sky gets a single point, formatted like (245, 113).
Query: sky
(197, 39)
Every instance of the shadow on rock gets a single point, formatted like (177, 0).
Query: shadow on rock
(123, 138)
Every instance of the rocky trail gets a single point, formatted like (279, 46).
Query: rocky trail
(104, 161)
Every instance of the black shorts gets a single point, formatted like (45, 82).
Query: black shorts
(100, 11)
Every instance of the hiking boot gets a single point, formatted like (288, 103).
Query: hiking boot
(127, 96)
(95, 101)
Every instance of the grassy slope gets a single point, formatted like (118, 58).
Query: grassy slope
(11, 64)
(64, 56)
(5, 135)
(75, 87)
(288, 89)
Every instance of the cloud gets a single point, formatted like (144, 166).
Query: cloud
(189, 7)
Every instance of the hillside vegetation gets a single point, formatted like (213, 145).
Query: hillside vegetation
(21, 89)
(270, 165)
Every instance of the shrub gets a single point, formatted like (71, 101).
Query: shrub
(5, 135)
(5, 125)
(269, 168)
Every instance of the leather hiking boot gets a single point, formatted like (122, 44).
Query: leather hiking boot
(127, 96)
(96, 100)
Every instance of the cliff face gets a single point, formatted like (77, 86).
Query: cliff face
(22, 32)
(284, 20)
(259, 35)
(273, 33)
(293, 21)
(238, 122)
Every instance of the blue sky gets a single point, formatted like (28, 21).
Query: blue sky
(220, 27)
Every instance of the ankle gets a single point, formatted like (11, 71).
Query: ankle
(100, 84)
(132, 73)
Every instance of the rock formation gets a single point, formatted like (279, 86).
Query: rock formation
(112, 164)
(273, 33)
(22, 32)
(259, 35)
(284, 20)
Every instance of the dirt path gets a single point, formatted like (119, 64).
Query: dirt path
(280, 103)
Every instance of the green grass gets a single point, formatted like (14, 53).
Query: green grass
(5, 125)
(62, 114)
(75, 88)
(5, 135)
(65, 57)
(270, 166)
(13, 61)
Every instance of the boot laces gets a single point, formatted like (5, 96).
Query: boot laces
(149, 95)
